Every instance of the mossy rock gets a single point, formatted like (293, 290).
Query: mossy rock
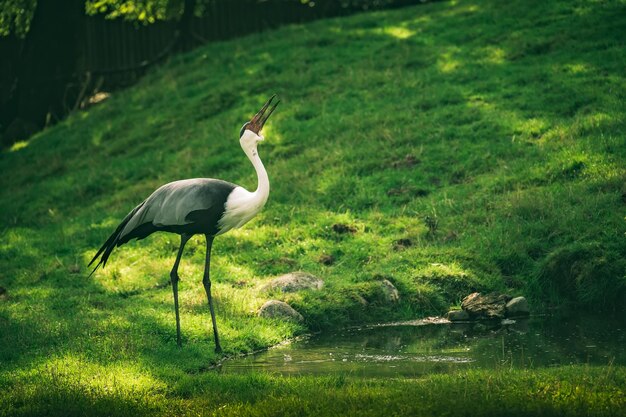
(451, 281)
(279, 309)
(585, 273)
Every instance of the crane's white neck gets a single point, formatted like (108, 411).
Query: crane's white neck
(263, 184)
(249, 143)
(242, 205)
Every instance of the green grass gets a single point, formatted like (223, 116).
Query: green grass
(513, 118)
(568, 391)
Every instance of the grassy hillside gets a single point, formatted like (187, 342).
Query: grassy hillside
(472, 145)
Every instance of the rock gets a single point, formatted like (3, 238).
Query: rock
(279, 309)
(98, 98)
(489, 306)
(391, 292)
(457, 315)
(295, 281)
(517, 307)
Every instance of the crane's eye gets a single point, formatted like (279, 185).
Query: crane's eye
(243, 129)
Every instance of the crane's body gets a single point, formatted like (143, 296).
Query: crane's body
(197, 206)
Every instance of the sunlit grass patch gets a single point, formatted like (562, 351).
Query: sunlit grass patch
(120, 391)
(399, 32)
(75, 385)
(447, 62)
(495, 55)
(18, 145)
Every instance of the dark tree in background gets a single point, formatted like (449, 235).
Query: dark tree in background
(42, 46)
(15, 16)
(47, 60)
(15, 20)
(184, 34)
(151, 11)
(55, 54)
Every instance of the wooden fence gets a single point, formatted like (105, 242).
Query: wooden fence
(124, 49)
(109, 54)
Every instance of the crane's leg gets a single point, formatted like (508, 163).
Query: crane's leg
(174, 277)
(207, 287)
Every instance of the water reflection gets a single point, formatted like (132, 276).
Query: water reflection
(414, 350)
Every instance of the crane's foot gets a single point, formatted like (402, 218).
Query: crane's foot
(218, 349)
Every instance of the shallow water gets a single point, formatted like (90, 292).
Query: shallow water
(414, 349)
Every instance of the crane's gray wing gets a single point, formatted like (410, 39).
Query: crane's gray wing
(187, 206)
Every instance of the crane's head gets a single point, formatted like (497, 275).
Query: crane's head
(256, 123)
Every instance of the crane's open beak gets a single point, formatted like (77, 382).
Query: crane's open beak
(259, 119)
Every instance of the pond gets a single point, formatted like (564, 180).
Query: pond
(416, 348)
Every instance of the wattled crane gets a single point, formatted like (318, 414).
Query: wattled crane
(198, 206)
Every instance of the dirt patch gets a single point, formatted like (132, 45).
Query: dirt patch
(341, 228)
(402, 243)
(451, 236)
(407, 191)
(327, 260)
(407, 162)
(283, 261)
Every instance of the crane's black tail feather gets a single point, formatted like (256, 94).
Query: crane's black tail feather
(112, 241)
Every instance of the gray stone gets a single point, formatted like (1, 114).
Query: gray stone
(457, 315)
(279, 309)
(295, 281)
(489, 306)
(517, 307)
(391, 292)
